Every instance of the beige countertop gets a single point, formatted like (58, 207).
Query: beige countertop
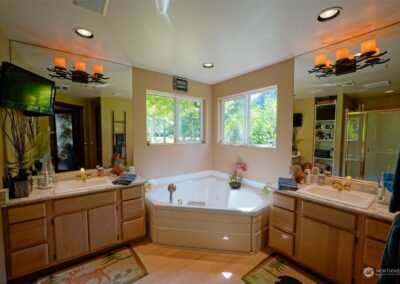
(376, 210)
(38, 195)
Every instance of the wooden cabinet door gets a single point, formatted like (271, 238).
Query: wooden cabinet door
(103, 229)
(71, 235)
(327, 250)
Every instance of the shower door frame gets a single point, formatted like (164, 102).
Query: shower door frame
(363, 155)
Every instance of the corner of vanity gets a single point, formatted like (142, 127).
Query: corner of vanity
(45, 229)
(332, 240)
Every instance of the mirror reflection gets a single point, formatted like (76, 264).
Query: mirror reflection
(104, 102)
(345, 117)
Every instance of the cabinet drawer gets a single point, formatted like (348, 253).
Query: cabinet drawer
(133, 229)
(27, 260)
(84, 202)
(26, 213)
(377, 229)
(27, 234)
(281, 241)
(329, 215)
(284, 201)
(373, 252)
(132, 208)
(283, 219)
(132, 192)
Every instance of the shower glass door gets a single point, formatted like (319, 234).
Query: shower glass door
(354, 145)
(372, 143)
(382, 143)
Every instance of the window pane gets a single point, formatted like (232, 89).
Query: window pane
(263, 108)
(234, 120)
(189, 121)
(160, 119)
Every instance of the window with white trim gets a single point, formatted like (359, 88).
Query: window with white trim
(173, 119)
(250, 118)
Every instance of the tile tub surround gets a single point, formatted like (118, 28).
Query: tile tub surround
(216, 227)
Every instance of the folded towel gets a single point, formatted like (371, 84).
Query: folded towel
(125, 179)
(287, 184)
(391, 255)
(395, 201)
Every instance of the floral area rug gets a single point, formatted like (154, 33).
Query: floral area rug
(121, 266)
(275, 269)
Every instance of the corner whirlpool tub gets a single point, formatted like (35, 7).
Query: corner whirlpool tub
(212, 216)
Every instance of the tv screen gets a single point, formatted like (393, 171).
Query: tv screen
(27, 91)
(297, 119)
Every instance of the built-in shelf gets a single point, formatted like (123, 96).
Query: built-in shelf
(319, 158)
(324, 137)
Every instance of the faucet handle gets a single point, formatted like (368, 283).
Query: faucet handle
(171, 187)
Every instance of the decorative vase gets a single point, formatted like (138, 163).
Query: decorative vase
(19, 187)
(235, 184)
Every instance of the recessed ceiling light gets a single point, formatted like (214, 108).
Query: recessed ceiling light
(208, 65)
(329, 14)
(84, 33)
(389, 91)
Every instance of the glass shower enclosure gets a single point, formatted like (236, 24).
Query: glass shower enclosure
(372, 143)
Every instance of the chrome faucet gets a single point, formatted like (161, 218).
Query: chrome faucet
(171, 189)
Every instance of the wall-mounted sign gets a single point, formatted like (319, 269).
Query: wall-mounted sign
(181, 84)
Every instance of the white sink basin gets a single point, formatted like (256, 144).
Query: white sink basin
(354, 198)
(77, 185)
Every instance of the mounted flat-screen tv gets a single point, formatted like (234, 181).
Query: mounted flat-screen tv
(23, 90)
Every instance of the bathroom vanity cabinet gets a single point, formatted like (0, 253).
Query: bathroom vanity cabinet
(40, 235)
(334, 243)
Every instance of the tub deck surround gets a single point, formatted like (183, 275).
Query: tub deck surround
(211, 216)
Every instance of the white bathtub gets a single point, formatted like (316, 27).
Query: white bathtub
(211, 216)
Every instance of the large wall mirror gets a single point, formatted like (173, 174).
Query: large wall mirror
(91, 121)
(349, 124)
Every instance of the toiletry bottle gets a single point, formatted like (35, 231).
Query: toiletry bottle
(321, 179)
(307, 174)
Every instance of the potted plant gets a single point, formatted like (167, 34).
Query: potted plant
(28, 147)
(235, 180)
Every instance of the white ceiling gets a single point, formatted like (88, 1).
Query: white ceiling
(238, 36)
(388, 39)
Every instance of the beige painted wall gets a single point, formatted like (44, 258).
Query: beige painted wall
(380, 102)
(166, 160)
(306, 131)
(264, 164)
(119, 105)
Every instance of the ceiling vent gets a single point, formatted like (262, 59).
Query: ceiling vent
(62, 87)
(98, 6)
(377, 84)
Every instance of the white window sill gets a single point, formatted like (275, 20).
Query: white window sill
(180, 143)
(248, 145)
